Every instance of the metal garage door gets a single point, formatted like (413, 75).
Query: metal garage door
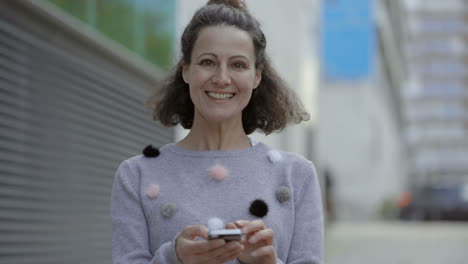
(65, 124)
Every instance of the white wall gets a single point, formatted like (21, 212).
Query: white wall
(359, 141)
(291, 31)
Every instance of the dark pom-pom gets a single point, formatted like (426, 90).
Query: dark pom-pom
(258, 208)
(151, 152)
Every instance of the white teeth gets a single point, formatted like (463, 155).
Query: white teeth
(220, 95)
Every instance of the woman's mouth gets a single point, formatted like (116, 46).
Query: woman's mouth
(220, 95)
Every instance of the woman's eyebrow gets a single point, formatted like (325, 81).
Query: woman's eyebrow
(216, 56)
(207, 53)
(239, 56)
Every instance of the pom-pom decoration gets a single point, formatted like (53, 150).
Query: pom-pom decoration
(168, 210)
(215, 224)
(283, 194)
(258, 208)
(218, 172)
(153, 191)
(274, 156)
(151, 152)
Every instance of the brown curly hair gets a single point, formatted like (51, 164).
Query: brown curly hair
(273, 104)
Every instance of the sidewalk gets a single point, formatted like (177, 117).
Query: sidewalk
(396, 243)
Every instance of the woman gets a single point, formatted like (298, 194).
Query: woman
(223, 89)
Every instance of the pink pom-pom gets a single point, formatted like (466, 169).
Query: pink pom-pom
(218, 172)
(153, 191)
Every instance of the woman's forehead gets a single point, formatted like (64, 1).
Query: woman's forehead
(223, 41)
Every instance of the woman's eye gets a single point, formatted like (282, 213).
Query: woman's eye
(206, 62)
(239, 65)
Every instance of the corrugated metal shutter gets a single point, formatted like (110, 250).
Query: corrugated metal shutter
(65, 124)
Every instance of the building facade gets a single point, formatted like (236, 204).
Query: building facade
(359, 136)
(145, 27)
(436, 91)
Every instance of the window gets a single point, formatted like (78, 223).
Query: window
(145, 27)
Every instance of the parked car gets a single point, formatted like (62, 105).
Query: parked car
(435, 203)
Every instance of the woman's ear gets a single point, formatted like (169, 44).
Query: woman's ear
(185, 73)
(258, 78)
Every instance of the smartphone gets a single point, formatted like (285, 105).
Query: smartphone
(226, 234)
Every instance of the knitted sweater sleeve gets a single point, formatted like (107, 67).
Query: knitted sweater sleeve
(307, 240)
(130, 239)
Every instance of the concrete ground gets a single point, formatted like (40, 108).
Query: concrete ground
(396, 243)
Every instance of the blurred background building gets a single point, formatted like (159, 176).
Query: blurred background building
(359, 138)
(436, 90)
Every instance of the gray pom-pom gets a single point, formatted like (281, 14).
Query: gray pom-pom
(283, 194)
(168, 210)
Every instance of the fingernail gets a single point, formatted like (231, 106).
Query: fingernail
(252, 240)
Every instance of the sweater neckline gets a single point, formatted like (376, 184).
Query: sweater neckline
(255, 149)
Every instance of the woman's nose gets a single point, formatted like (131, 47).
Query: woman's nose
(221, 76)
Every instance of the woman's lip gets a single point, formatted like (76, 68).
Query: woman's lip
(220, 92)
(212, 95)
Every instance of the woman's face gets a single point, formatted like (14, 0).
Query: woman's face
(222, 73)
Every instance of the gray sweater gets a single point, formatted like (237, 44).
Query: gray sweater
(154, 198)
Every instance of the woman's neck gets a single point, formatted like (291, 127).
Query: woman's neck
(225, 136)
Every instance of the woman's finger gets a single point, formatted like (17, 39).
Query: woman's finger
(193, 231)
(226, 250)
(241, 223)
(266, 251)
(221, 254)
(231, 226)
(253, 226)
(265, 235)
(203, 246)
(231, 255)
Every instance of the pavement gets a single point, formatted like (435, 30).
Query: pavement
(396, 243)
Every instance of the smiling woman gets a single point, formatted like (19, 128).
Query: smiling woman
(222, 89)
(272, 106)
(221, 76)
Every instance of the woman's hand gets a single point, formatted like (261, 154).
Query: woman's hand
(216, 251)
(258, 242)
